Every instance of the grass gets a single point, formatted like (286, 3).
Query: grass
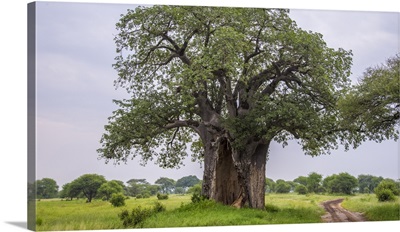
(280, 209)
(79, 215)
(214, 214)
(372, 209)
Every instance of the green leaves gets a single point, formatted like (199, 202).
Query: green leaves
(248, 74)
(371, 109)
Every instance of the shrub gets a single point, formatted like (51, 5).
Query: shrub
(136, 218)
(197, 197)
(194, 189)
(386, 190)
(146, 195)
(385, 195)
(138, 215)
(162, 196)
(117, 199)
(301, 189)
(139, 196)
(158, 207)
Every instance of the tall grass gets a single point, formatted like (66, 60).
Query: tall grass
(280, 209)
(79, 215)
(209, 213)
(372, 209)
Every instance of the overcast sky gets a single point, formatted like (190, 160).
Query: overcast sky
(75, 51)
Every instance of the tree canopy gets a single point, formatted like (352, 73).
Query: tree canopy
(167, 185)
(341, 183)
(187, 181)
(239, 64)
(372, 107)
(108, 188)
(46, 188)
(88, 185)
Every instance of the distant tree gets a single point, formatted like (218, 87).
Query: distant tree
(270, 185)
(195, 189)
(110, 187)
(301, 180)
(46, 188)
(88, 184)
(301, 189)
(141, 186)
(179, 190)
(292, 185)
(342, 183)
(136, 186)
(367, 183)
(314, 182)
(280, 181)
(64, 193)
(69, 191)
(326, 183)
(187, 181)
(120, 182)
(282, 186)
(137, 181)
(153, 189)
(167, 185)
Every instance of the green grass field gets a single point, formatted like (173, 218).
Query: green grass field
(281, 209)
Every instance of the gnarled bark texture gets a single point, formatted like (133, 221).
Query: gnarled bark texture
(235, 178)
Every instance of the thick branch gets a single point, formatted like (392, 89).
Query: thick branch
(171, 41)
(183, 123)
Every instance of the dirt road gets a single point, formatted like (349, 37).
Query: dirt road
(335, 213)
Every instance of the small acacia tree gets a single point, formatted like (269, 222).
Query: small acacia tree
(226, 82)
(87, 184)
(109, 188)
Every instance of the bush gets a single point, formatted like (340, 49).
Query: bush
(139, 196)
(117, 199)
(386, 190)
(194, 189)
(301, 189)
(139, 215)
(146, 195)
(158, 207)
(162, 196)
(385, 195)
(197, 197)
(136, 218)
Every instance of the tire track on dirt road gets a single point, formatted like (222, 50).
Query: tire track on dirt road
(335, 212)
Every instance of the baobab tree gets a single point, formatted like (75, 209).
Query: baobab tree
(224, 82)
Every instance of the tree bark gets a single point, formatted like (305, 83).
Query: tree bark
(232, 177)
(220, 180)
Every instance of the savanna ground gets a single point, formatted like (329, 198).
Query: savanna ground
(55, 214)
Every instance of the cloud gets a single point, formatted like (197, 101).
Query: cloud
(372, 36)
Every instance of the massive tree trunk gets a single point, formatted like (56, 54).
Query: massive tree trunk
(235, 177)
(220, 180)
